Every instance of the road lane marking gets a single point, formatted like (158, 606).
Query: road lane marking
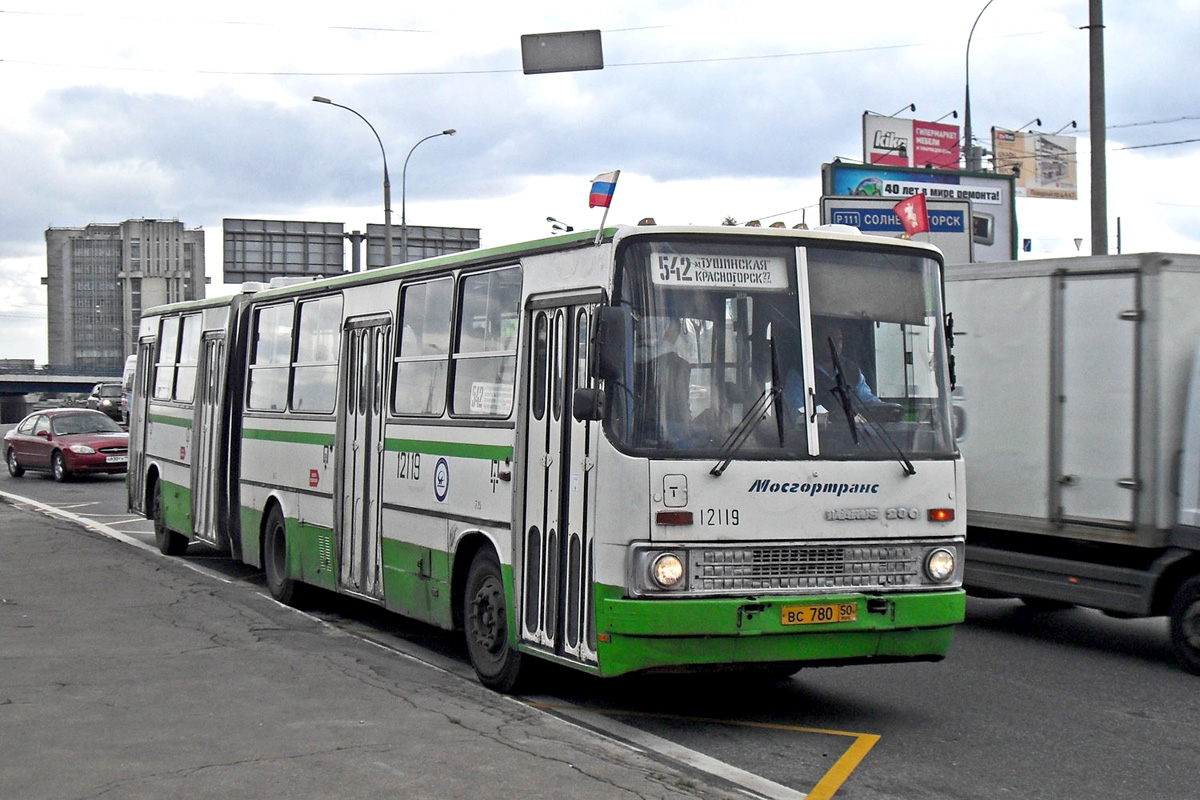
(825, 788)
(112, 533)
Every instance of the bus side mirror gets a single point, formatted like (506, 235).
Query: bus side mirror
(610, 339)
(587, 404)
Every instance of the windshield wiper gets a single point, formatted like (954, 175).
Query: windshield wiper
(842, 391)
(872, 427)
(771, 396)
(847, 398)
(776, 386)
(741, 432)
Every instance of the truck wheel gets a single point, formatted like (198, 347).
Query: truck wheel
(496, 660)
(1185, 625)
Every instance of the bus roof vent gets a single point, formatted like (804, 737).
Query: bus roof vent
(250, 287)
(280, 282)
(838, 228)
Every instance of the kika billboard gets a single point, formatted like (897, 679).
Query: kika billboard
(894, 142)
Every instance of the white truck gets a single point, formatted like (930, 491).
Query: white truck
(1078, 413)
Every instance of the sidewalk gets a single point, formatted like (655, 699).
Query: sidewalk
(126, 675)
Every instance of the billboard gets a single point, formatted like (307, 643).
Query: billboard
(261, 249)
(567, 51)
(893, 142)
(993, 203)
(1043, 163)
(950, 222)
(424, 241)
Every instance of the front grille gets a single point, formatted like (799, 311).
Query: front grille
(804, 568)
(114, 451)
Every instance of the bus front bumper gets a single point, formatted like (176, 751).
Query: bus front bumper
(664, 634)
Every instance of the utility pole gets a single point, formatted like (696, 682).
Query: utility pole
(1098, 133)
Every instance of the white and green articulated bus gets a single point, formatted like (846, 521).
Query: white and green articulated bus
(650, 448)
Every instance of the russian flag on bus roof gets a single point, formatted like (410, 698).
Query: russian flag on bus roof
(603, 186)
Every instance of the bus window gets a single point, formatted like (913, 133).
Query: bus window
(189, 352)
(314, 374)
(164, 365)
(420, 385)
(485, 362)
(270, 357)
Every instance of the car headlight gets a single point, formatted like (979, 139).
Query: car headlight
(106, 402)
(939, 565)
(667, 570)
(82, 449)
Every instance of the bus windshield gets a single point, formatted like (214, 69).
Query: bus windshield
(769, 351)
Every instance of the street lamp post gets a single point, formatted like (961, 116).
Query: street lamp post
(403, 199)
(387, 184)
(972, 163)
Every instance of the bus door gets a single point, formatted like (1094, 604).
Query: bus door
(139, 420)
(207, 437)
(558, 538)
(362, 407)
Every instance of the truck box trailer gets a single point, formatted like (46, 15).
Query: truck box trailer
(1078, 413)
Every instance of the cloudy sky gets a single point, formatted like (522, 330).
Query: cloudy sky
(203, 111)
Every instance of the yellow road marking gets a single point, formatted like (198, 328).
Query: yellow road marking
(825, 788)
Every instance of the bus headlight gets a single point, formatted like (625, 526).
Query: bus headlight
(939, 565)
(667, 570)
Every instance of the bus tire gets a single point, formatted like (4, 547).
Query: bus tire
(168, 541)
(496, 660)
(275, 558)
(1185, 625)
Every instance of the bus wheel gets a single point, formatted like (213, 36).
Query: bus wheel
(275, 558)
(1185, 625)
(169, 542)
(485, 621)
(14, 469)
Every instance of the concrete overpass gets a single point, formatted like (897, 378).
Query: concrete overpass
(16, 383)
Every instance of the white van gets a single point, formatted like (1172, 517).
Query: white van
(127, 386)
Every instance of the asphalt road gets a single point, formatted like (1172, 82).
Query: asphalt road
(1062, 705)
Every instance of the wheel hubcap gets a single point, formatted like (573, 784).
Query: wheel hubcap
(487, 616)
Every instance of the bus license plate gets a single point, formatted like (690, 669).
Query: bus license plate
(117, 460)
(817, 614)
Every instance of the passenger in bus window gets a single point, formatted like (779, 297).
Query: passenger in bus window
(831, 331)
(668, 387)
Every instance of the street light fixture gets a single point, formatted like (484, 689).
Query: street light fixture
(972, 163)
(387, 184)
(1035, 121)
(403, 198)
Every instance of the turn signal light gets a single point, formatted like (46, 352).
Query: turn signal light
(941, 515)
(673, 518)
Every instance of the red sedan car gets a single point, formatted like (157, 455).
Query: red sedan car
(65, 442)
